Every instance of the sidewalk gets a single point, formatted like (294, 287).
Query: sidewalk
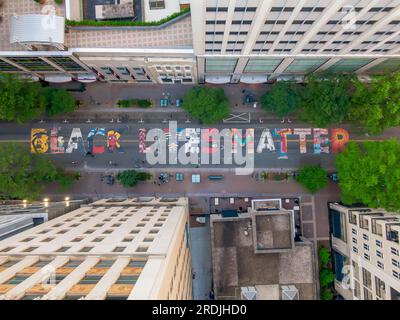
(232, 185)
(106, 96)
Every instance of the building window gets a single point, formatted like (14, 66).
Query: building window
(366, 247)
(90, 279)
(394, 251)
(86, 249)
(380, 264)
(221, 65)
(354, 231)
(366, 256)
(17, 279)
(156, 4)
(396, 274)
(105, 263)
(354, 240)
(365, 237)
(378, 243)
(355, 250)
(127, 280)
(367, 280)
(367, 294)
(395, 263)
(119, 249)
(379, 254)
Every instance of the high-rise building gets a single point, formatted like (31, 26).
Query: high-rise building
(110, 249)
(253, 41)
(366, 248)
(220, 41)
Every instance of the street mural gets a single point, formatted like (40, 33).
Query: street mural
(39, 141)
(195, 140)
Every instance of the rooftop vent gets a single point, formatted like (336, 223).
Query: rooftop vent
(248, 293)
(290, 293)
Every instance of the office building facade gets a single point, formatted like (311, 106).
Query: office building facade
(366, 248)
(254, 41)
(111, 249)
(223, 41)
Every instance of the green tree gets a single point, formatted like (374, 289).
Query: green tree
(283, 98)
(65, 180)
(58, 101)
(209, 105)
(369, 173)
(20, 99)
(313, 178)
(324, 256)
(326, 294)
(23, 175)
(130, 178)
(327, 98)
(376, 106)
(326, 277)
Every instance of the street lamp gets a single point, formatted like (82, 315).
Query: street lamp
(24, 202)
(67, 201)
(46, 202)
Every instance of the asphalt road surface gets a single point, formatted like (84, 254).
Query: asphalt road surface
(129, 155)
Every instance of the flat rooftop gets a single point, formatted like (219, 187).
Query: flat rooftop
(236, 265)
(273, 231)
(176, 35)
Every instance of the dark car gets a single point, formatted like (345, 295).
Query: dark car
(248, 99)
(334, 177)
(110, 180)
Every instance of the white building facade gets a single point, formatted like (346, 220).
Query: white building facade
(111, 249)
(366, 248)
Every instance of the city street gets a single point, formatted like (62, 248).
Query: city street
(128, 154)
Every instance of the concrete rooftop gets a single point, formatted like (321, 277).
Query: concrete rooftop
(176, 35)
(236, 265)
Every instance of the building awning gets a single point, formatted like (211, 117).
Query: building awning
(30, 77)
(57, 78)
(218, 79)
(294, 78)
(37, 28)
(87, 78)
(250, 79)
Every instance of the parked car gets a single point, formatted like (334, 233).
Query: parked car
(334, 177)
(178, 102)
(110, 180)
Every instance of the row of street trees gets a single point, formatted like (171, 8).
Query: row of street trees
(369, 173)
(329, 98)
(22, 100)
(25, 176)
